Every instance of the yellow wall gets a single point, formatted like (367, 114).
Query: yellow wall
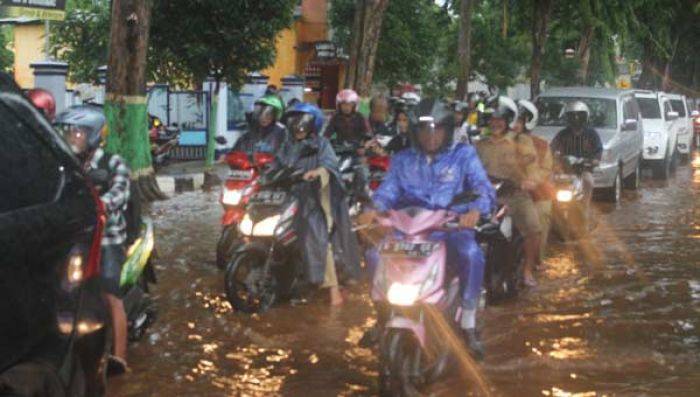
(286, 60)
(29, 48)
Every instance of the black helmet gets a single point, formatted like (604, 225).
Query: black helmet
(432, 114)
(88, 119)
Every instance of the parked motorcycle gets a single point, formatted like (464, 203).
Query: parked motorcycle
(570, 220)
(245, 169)
(163, 140)
(267, 267)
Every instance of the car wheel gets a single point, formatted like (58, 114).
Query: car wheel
(684, 158)
(614, 193)
(674, 162)
(633, 180)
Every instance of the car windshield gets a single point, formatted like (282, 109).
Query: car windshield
(677, 106)
(650, 108)
(551, 109)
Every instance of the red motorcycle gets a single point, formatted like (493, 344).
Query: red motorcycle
(245, 169)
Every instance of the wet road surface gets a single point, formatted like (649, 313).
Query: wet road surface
(620, 317)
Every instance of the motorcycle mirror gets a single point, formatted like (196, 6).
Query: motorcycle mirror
(99, 176)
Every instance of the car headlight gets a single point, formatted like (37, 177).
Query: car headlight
(403, 294)
(264, 228)
(565, 196)
(232, 197)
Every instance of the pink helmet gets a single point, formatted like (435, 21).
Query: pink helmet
(44, 101)
(347, 96)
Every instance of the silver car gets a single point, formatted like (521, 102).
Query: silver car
(615, 116)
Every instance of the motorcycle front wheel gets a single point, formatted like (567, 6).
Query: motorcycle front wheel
(401, 364)
(249, 287)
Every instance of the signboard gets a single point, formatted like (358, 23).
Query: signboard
(53, 10)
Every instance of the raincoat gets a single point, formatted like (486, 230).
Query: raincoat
(314, 219)
(268, 140)
(414, 181)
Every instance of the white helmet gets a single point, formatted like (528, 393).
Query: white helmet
(411, 98)
(528, 112)
(505, 108)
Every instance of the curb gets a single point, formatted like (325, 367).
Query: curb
(172, 184)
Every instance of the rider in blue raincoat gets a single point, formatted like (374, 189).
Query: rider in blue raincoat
(430, 175)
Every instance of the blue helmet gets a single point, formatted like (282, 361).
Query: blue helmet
(304, 116)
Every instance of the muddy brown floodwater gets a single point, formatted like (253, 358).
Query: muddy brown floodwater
(618, 318)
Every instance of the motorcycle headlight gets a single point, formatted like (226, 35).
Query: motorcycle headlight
(232, 197)
(565, 196)
(403, 294)
(264, 228)
(74, 270)
(246, 226)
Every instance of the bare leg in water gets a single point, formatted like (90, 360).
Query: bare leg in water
(531, 246)
(119, 324)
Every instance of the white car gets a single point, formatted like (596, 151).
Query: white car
(684, 125)
(660, 132)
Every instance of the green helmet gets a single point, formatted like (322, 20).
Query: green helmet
(273, 101)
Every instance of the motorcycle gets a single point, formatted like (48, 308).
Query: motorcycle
(245, 169)
(267, 267)
(136, 276)
(350, 167)
(163, 140)
(502, 245)
(570, 219)
(411, 287)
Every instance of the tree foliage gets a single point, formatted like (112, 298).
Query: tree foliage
(7, 57)
(223, 39)
(411, 35)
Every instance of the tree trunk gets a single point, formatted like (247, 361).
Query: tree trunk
(367, 29)
(211, 179)
(586, 40)
(540, 21)
(125, 105)
(464, 48)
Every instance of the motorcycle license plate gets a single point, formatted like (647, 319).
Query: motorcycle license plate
(268, 197)
(240, 175)
(406, 249)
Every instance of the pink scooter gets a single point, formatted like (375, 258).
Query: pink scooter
(416, 297)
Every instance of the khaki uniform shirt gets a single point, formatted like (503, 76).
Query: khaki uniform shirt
(511, 157)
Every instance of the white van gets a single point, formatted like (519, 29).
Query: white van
(660, 132)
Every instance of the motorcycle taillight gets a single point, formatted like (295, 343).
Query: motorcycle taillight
(92, 267)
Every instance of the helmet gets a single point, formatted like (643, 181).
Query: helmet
(432, 114)
(304, 116)
(272, 101)
(347, 96)
(44, 101)
(577, 113)
(88, 119)
(504, 108)
(527, 111)
(411, 98)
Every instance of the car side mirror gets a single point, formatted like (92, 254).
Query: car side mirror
(671, 115)
(629, 125)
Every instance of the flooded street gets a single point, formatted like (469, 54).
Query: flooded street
(621, 317)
